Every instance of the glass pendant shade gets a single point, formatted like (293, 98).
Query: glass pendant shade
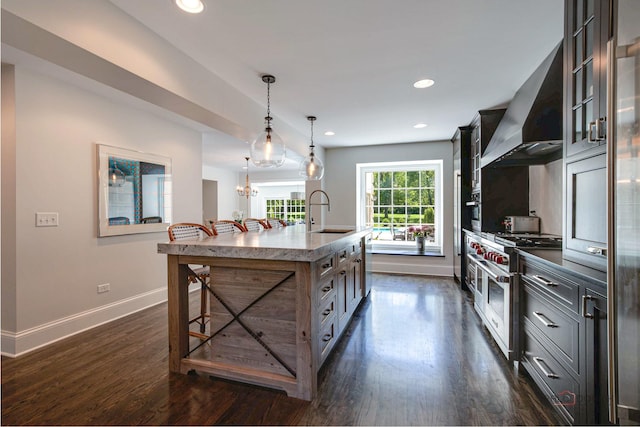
(268, 150)
(312, 168)
(116, 177)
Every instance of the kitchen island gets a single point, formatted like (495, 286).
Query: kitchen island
(278, 301)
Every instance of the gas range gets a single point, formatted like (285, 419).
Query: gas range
(529, 240)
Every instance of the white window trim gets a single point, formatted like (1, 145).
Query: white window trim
(437, 165)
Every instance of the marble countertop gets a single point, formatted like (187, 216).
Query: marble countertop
(291, 243)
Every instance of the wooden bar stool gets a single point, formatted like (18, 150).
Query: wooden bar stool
(224, 226)
(255, 224)
(276, 223)
(191, 231)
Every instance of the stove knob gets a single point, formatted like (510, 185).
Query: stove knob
(500, 259)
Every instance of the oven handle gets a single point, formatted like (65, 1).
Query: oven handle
(494, 276)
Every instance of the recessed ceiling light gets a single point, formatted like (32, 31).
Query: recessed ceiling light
(191, 6)
(420, 125)
(329, 133)
(421, 84)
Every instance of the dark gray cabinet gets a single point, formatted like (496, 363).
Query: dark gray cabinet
(587, 30)
(585, 239)
(564, 334)
(462, 194)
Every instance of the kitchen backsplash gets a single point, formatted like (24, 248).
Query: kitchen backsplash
(545, 195)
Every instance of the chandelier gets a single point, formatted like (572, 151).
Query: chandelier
(268, 150)
(247, 191)
(311, 167)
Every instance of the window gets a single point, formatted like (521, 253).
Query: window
(291, 210)
(399, 197)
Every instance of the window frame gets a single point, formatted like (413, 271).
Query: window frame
(402, 166)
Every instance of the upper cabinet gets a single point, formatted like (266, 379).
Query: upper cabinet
(587, 29)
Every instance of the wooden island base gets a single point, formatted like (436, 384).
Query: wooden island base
(270, 322)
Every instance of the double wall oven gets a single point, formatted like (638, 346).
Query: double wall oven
(493, 280)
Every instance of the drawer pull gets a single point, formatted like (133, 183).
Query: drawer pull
(327, 312)
(546, 322)
(327, 337)
(544, 280)
(548, 374)
(358, 260)
(327, 265)
(326, 289)
(342, 273)
(343, 256)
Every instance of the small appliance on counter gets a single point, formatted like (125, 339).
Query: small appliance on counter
(522, 224)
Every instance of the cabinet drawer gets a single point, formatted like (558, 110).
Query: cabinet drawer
(553, 284)
(327, 311)
(561, 329)
(324, 266)
(326, 339)
(562, 390)
(326, 289)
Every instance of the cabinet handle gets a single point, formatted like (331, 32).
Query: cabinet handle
(326, 337)
(585, 314)
(327, 265)
(343, 256)
(327, 312)
(546, 322)
(358, 260)
(544, 280)
(547, 373)
(326, 289)
(599, 134)
(597, 250)
(590, 138)
(342, 273)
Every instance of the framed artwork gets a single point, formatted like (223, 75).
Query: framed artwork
(134, 191)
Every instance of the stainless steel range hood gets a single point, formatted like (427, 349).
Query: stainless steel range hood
(530, 132)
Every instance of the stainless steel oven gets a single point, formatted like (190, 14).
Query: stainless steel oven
(474, 211)
(495, 295)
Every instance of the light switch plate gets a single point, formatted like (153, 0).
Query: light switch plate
(46, 219)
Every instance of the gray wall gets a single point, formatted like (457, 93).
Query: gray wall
(545, 195)
(340, 184)
(51, 285)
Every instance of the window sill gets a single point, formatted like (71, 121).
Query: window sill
(406, 252)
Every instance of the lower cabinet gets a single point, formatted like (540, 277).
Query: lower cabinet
(563, 337)
(339, 290)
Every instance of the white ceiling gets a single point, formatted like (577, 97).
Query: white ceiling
(352, 63)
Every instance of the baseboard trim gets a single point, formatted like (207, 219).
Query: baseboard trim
(16, 344)
(422, 269)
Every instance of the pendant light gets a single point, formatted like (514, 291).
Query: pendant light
(311, 167)
(116, 176)
(268, 149)
(247, 191)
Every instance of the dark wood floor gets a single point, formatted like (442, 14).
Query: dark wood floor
(415, 354)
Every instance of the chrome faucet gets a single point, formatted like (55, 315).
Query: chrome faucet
(327, 204)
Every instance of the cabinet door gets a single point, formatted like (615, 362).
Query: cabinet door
(586, 34)
(586, 212)
(596, 372)
(354, 291)
(343, 298)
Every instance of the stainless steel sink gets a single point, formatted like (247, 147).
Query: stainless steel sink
(333, 231)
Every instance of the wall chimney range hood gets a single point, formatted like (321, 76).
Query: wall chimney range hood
(530, 133)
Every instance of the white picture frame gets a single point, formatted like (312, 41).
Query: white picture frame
(134, 191)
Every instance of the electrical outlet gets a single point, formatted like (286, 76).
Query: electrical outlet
(46, 219)
(105, 287)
